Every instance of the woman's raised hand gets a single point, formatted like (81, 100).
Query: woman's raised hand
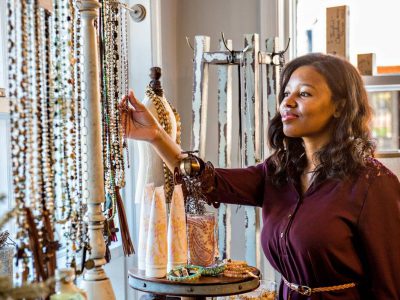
(136, 120)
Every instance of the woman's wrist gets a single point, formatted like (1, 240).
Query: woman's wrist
(158, 136)
(167, 148)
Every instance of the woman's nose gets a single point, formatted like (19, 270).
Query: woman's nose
(290, 101)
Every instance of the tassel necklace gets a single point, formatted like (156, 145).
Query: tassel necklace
(113, 35)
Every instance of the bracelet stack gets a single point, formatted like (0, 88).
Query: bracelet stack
(185, 273)
(213, 271)
(239, 269)
(229, 268)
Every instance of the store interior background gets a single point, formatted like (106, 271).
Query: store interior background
(160, 40)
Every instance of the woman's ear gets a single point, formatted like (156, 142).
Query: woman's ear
(339, 108)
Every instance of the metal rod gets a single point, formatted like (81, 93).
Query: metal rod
(123, 5)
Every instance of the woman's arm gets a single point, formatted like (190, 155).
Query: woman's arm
(379, 230)
(237, 186)
(242, 186)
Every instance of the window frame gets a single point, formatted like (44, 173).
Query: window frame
(287, 28)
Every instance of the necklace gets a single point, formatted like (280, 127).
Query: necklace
(115, 83)
(45, 93)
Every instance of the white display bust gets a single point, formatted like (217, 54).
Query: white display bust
(150, 164)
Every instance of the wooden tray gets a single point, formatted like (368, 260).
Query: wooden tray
(204, 286)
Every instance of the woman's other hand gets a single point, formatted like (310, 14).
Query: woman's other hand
(137, 121)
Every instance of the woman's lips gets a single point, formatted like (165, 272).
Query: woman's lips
(288, 117)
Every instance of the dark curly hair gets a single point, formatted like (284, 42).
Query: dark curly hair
(344, 156)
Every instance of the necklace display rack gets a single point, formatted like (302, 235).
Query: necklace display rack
(257, 105)
(99, 89)
(57, 137)
(45, 97)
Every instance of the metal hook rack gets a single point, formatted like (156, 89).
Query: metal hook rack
(137, 12)
(189, 44)
(281, 55)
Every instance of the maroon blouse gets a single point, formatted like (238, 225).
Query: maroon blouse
(338, 232)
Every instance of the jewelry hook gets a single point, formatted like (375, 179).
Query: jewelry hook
(224, 41)
(137, 12)
(287, 46)
(188, 43)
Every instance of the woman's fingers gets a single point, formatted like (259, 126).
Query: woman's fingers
(123, 105)
(133, 100)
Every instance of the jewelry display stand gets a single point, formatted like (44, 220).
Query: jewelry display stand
(151, 167)
(198, 289)
(257, 105)
(95, 281)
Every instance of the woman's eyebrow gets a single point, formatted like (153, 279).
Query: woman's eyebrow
(301, 85)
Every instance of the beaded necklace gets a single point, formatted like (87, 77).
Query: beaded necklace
(82, 240)
(113, 33)
(45, 203)
(71, 152)
(35, 231)
(45, 103)
(21, 145)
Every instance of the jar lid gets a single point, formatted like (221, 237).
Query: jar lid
(65, 274)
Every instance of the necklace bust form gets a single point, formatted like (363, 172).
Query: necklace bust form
(151, 167)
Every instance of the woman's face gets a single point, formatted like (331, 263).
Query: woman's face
(307, 107)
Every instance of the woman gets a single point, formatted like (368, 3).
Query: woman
(331, 212)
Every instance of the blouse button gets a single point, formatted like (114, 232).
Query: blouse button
(289, 216)
(281, 234)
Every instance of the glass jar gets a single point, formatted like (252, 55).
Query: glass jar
(65, 288)
(201, 239)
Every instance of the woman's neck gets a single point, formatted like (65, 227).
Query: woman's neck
(311, 147)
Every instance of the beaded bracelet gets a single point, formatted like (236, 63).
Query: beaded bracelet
(213, 271)
(239, 271)
(179, 273)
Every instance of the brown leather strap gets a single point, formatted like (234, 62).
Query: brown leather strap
(307, 291)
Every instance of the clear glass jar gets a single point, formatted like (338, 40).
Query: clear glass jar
(201, 239)
(65, 288)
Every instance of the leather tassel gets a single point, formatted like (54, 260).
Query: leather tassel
(112, 231)
(51, 246)
(35, 246)
(123, 224)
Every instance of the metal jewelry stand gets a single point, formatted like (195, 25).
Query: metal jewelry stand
(258, 104)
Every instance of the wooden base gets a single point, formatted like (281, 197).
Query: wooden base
(152, 297)
(199, 289)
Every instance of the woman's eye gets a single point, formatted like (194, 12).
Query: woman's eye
(305, 94)
(285, 94)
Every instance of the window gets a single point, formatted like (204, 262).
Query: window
(384, 95)
(371, 26)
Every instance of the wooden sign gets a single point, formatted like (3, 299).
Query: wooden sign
(366, 64)
(47, 5)
(337, 30)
